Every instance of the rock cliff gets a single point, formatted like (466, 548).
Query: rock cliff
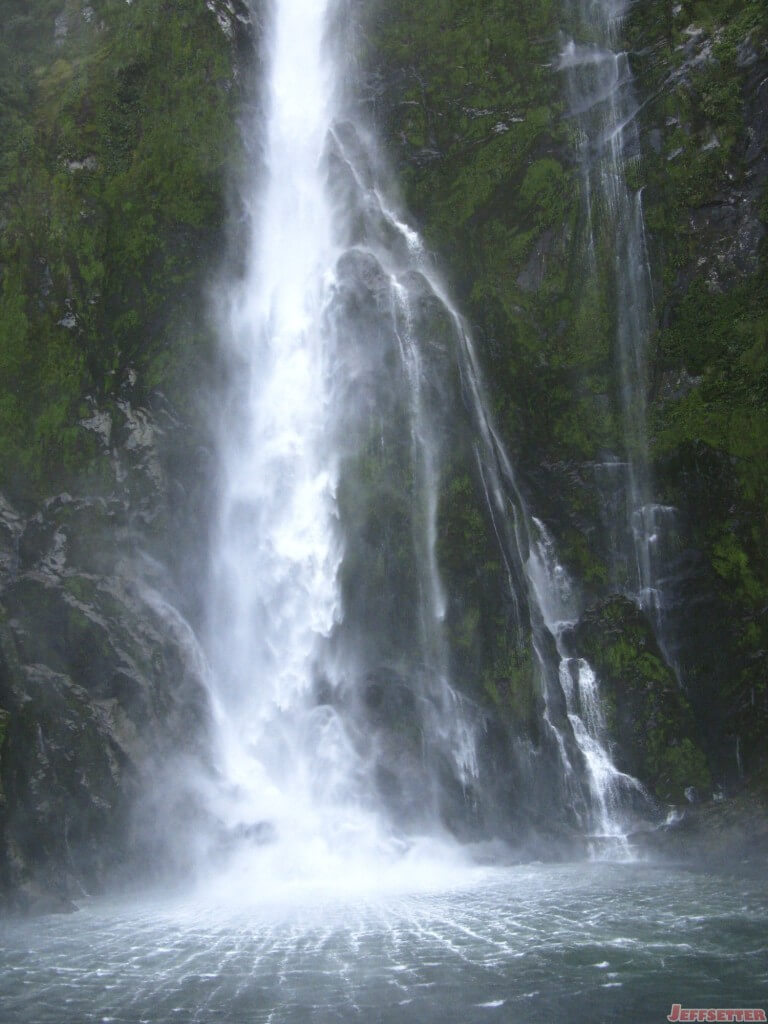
(120, 140)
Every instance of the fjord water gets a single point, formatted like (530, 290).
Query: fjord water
(588, 944)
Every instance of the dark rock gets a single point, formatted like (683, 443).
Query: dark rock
(99, 684)
(648, 717)
(258, 833)
(729, 836)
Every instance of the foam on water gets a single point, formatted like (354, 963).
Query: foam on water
(578, 943)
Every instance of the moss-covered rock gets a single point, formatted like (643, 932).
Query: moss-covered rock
(651, 722)
(119, 129)
(705, 172)
(119, 134)
(488, 159)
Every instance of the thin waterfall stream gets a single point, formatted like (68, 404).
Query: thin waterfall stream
(604, 107)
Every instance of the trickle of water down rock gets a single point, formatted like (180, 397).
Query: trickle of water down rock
(604, 108)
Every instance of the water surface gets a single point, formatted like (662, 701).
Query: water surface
(578, 943)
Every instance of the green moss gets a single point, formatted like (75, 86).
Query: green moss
(466, 632)
(545, 189)
(723, 339)
(647, 715)
(676, 768)
(112, 167)
(583, 562)
(732, 564)
(510, 684)
(462, 530)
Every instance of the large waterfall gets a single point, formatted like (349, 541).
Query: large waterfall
(328, 399)
(341, 727)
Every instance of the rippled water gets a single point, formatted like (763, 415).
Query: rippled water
(578, 943)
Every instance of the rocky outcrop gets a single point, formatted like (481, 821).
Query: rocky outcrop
(113, 167)
(101, 683)
(723, 835)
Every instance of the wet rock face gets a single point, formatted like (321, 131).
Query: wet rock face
(504, 212)
(656, 738)
(705, 202)
(105, 475)
(729, 836)
(101, 688)
(65, 788)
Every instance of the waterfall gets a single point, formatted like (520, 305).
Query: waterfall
(604, 799)
(342, 735)
(604, 107)
(312, 686)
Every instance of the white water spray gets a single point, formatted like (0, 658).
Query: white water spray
(291, 765)
(301, 776)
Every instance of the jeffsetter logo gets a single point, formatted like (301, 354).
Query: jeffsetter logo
(680, 1013)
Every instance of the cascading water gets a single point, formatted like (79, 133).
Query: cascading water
(601, 797)
(297, 679)
(604, 107)
(277, 550)
(340, 727)
(604, 799)
(616, 796)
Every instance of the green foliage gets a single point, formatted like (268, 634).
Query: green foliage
(472, 104)
(463, 541)
(511, 684)
(677, 767)
(577, 553)
(111, 177)
(648, 716)
(544, 188)
(710, 428)
(723, 338)
(475, 118)
(732, 564)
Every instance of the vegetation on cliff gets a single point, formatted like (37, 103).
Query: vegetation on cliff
(472, 106)
(119, 126)
(119, 123)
